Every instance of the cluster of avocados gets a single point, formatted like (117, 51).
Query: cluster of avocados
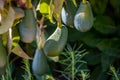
(82, 19)
(55, 43)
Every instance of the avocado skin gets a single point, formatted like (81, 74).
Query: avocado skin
(3, 58)
(68, 12)
(39, 64)
(56, 42)
(67, 18)
(27, 27)
(83, 20)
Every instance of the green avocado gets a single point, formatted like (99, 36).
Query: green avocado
(56, 42)
(68, 12)
(39, 64)
(67, 18)
(83, 20)
(3, 58)
(27, 27)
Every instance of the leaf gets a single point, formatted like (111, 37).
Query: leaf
(110, 47)
(57, 10)
(98, 74)
(35, 3)
(8, 22)
(91, 39)
(115, 3)
(74, 2)
(92, 58)
(15, 35)
(18, 51)
(99, 7)
(105, 25)
(45, 9)
(106, 61)
(55, 59)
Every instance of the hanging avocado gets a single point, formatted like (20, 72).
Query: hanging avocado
(3, 58)
(68, 13)
(83, 20)
(56, 42)
(27, 27)
(39, 64)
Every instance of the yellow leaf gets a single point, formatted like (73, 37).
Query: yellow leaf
(46, 9)
(57, 11)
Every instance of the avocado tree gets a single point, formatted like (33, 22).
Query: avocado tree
(59, 39)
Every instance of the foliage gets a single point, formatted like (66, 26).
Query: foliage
(102, 41)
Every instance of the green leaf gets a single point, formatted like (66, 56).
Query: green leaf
(8, 22)
(115, 4)
(92, 59)
(91, 39)
(110, 47)
(105, 25)
(74, 2)
(99, 6)
(106, 61)
(98, 74)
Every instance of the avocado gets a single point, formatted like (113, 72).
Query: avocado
(27, 27)
(83, 20)
(39, 64)
(56, 42)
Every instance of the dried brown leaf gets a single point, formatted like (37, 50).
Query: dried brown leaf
(18, 51)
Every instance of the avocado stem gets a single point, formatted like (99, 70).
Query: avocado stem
(59, 25)
(84, 1)
(41, 33)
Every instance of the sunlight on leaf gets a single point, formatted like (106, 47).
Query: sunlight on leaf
(55, 59)
(48, 77)
(74, 1)
(15, 40)
(46, 10)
